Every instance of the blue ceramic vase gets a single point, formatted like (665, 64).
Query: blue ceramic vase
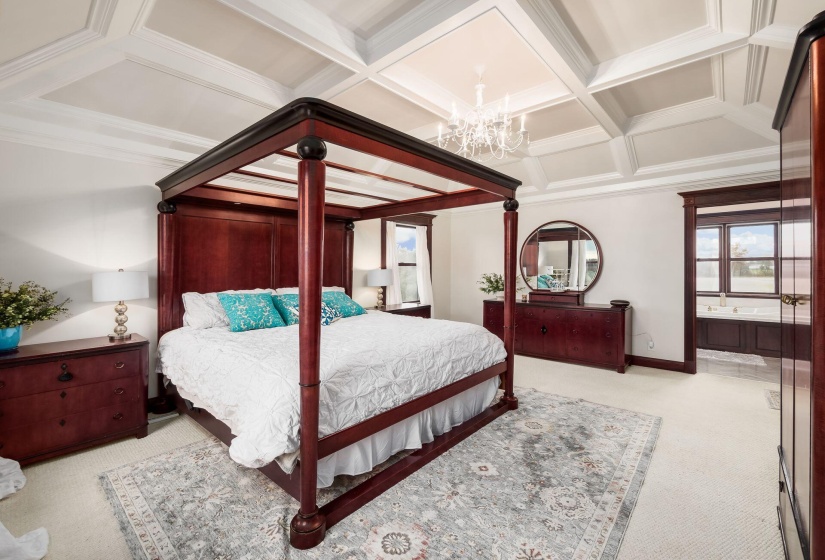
(10, 338)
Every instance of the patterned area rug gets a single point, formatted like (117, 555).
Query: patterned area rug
(750, 359)
(774, 399)
(556, 479)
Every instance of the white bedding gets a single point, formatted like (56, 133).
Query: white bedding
(369, 364)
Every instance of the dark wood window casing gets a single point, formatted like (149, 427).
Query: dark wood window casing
(411, 220)
(723, 222)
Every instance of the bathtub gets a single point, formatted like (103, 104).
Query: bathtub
(739, 313)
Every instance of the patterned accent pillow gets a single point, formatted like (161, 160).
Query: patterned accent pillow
(248, 312)
(204, 311)
(287, 305)
(343, 305)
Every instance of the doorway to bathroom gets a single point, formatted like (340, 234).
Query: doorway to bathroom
(732, 323)
(738, 328)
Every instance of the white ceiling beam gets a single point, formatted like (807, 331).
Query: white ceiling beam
(688, 47)
(624, 156)
(776, 36)
(756, 118)
(538, 178)
(308, 26)
(419, 27)
(555, 48)
(694, 111)
(568, 141)
(172, 56)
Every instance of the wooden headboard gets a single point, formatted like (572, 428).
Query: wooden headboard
(211, 248)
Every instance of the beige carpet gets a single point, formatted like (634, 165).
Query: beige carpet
(710, 491)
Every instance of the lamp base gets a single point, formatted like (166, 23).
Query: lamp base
(119, 337)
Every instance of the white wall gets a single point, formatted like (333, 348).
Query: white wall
(642, 240)
(64, 216)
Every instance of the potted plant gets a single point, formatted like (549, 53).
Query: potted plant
(493, 284)
(22, 307)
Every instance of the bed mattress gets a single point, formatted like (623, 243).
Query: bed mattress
(369, 364)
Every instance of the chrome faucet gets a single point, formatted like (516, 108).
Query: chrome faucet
(723, 300)
(710, 308)
(736, 310)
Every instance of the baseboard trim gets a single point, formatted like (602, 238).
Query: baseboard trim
(669, 365)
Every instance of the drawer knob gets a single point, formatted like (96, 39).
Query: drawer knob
(118, 416)
(66, 375)
(119, 365)
(575, 331)
(62, 422)
(608, 335)
(2, 384)
(543, 329)
(120, 391)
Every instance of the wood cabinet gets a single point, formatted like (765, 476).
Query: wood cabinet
(801, 119)
(593, 335)
(746, 337)
(63, 396)
(409, 309)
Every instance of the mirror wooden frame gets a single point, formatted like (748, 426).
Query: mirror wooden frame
(546, 291)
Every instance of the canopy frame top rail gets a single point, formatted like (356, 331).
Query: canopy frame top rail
(309, 117)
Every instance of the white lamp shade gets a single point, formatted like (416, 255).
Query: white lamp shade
(120, 286)
(379, 277)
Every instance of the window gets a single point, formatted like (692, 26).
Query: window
(408, 271)
(405, 239)
(737, 258)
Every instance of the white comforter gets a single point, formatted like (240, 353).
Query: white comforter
(369, 364)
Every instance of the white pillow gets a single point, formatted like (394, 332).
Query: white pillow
(204, 311)
(285, 291)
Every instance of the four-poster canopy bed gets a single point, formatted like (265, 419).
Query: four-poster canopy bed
(215, 237)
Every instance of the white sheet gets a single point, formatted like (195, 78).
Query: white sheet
(369, 364)
(34, 544)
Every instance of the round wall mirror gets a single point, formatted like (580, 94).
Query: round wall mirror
(559, 257)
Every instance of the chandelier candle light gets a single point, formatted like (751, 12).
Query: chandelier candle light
(484, 134)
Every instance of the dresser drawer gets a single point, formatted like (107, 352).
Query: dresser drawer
(63, 374)
(51, 435)
(72, 400)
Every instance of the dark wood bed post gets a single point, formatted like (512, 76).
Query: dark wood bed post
(510, 253)
(309, 526)
(349, 245)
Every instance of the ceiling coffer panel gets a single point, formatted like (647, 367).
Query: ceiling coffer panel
(606, 29)
(132, 91)
(671, 88)
(223, 32)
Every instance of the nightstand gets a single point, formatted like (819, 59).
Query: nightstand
(410, 309)
(60, 397)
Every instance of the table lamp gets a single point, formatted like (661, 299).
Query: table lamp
(380, 277)
(119, 286)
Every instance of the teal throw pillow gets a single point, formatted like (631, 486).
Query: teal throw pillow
(249, 312)
(287, 305)
(342, 304)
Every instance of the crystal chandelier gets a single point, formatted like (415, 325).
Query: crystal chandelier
(484, 134)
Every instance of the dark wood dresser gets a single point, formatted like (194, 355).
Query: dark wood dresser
(591, 334)
(410, 309)
(59, 397)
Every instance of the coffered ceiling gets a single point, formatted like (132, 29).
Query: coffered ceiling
(618, 94)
